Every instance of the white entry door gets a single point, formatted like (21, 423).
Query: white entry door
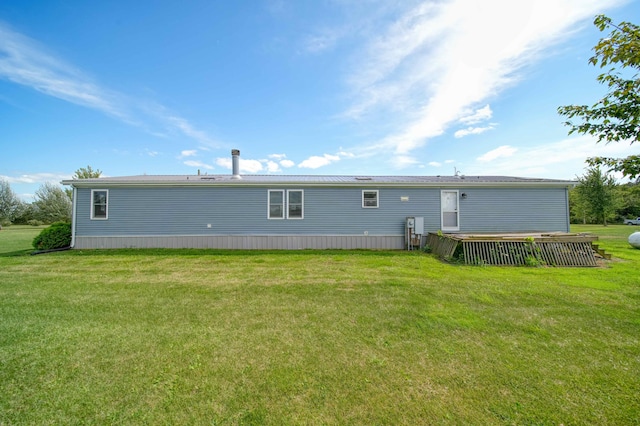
(450, 214)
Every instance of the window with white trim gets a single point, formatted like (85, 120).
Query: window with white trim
(99, 204)
(295, 204)
(370, 199)
(287, 204)
(276, 204)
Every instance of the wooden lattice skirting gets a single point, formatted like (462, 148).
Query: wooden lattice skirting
(532, 249)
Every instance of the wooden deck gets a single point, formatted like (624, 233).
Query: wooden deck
(530, 249)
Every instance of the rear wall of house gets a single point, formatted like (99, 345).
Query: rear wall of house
(136, 214)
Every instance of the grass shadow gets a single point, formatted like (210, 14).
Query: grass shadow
(17, 253)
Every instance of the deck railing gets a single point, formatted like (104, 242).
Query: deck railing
(553, 249)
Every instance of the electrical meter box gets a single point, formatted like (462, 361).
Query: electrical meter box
(419, 226)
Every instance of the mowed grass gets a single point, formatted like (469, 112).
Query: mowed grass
(314, 337)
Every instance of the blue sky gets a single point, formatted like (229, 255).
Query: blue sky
(361, 87)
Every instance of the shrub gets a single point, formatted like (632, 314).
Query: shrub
(58, 235)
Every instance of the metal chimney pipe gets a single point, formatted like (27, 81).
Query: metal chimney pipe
(235, 163)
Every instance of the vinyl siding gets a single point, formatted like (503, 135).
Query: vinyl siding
(243, 211)
(514, 210)
(329, 212)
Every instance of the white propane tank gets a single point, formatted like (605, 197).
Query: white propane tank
(634, 240)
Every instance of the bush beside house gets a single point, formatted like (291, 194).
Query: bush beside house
(58, 235)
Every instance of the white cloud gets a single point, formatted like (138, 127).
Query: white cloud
(273, 167)
(224, 162)
(24, 61)
(500, 152)
(246, 165)
(564, 159)
(188, 153)
(192, 163)
(404, 161)
(344, 154)
(37, 178)
(281, 159)
(435, 164)
(189, 130)
(440, 60)
(251, 166)
(478, 116)
(472, 131)
(315, 161)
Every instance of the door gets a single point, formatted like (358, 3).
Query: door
(450, 214)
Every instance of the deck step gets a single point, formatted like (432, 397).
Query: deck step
(601, 252)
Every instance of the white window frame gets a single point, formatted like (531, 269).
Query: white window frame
(93, 205)
(377, 192)
(289, 191)
(284, 204)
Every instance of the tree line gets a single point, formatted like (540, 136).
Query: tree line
(51, 203)
(598, 198)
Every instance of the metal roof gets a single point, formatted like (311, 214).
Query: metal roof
(314, 180)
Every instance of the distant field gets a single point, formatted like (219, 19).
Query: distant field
(315, 337)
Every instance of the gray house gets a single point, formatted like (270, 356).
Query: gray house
(299, 212)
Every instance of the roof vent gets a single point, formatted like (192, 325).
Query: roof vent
(235, 164)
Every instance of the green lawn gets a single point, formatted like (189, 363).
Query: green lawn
(314, 337)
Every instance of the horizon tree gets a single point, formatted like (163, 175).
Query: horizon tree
(52, 204)
(83, 173)
(596, 194)
(10, 203)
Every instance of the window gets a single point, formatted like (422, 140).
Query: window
(295, 200)
(293, 204)
(276, 204)
(99, 204)
(370, 199)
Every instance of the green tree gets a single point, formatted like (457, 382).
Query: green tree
(83, 173)
(26, 215)
(596, 192)
(577, 207)
(87, 173)
(10, 204)
(52, 204)
(629, 196)
(615, 117)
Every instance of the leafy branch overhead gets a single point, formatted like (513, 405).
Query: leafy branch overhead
(615, 117)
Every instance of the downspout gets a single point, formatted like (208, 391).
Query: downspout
(73, 217)
(568, 215)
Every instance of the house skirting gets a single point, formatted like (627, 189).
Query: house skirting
(244, 242)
